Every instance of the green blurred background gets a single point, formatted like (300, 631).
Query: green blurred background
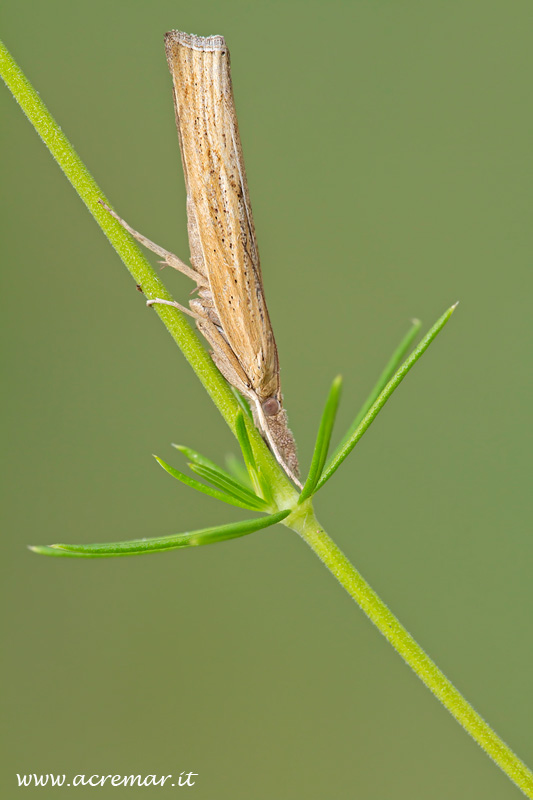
(388, 150)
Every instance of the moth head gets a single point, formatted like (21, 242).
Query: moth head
(271, 406)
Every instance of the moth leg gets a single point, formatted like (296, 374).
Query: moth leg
(183, 309)
(168, 258)
(222, 354)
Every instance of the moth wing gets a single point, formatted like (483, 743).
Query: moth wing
(221, 228)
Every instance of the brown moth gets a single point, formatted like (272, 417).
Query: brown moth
(230, 309)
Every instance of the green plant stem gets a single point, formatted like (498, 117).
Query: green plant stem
(141, 270)
(305, 524)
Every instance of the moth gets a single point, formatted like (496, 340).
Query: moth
(230, 308)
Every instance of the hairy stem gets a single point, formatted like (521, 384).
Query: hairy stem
(305, 524)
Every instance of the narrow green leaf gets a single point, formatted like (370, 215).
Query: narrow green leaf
(232, 499)
(260, 484)
(323, 439)
(217, 475)
(376, 407)
(244, 442)
(265, 487)
(198, 458)
(243, 402)
(238, 470)
(391, 367)
(228, 484)
(141, 546)
(46, 550)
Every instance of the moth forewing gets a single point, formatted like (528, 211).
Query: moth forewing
(230, 309)
(220, 214)
(222, 234)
